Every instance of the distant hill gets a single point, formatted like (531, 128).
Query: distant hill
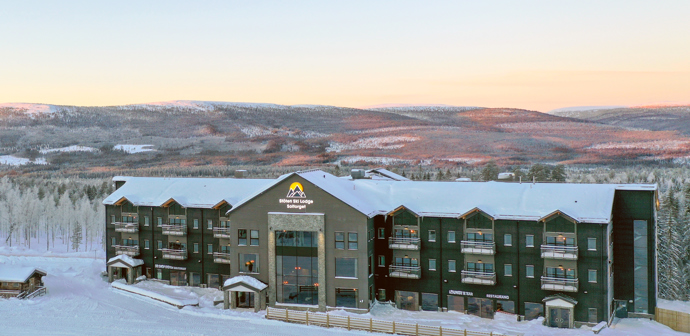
(201, 133)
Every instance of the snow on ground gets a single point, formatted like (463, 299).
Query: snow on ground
(73, 148)
(133, 149)
(12, 160)
(386, 142)
(681, 306)
(167, 295)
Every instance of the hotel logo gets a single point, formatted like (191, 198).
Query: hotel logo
(296, 191)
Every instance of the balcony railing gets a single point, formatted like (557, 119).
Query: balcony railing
(221, 258)
(472, 247)
(559, 252)
(221, 232)
(405, 272)
(174, 230)
(399, 243)
(559, 284)
(127, 250)
(126, 227)
(479, 278)
(174, 254)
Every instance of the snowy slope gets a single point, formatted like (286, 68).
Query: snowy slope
(30, 108)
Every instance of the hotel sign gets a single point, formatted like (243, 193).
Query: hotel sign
(458, 292)
(171, 267)
(498, 296)
(296, 198)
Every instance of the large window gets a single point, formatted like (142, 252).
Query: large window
(560, 241)
(480, 307)
(176, 220)
(533, 310)
(480, 267)
(641, 271)
(213, 280)
(429, 302)
(480, 237)
(242, 237)
(249, 263)
(346, 297)
(407, 262)
(405, 233)
(194, 279)
(254, 238)
(297, 279)
(407, 300)
(456, 303)
(561, 272)
(505, 306)
(346, 267)
(296, 239)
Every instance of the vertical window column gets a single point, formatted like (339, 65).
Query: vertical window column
(640, 273)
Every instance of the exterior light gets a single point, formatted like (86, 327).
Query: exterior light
(480, 233)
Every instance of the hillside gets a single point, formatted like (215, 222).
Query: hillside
(195, 133)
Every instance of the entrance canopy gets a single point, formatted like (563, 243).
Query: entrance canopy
(244, 283)
(559, 300)
(122, 261)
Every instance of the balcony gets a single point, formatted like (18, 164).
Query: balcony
(479, 278)
(174, 254)
(559, 252)
(473, 247)
(559, 284)
(221, 258)
(127, 250)
(399, 243)
(174, 230)
(404, 272)
(126, 227)
(221, 232)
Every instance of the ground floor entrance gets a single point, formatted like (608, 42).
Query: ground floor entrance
(559, 317)
(560, 311)
(244, 299)
(407, 300)
(480, 307)
(178, 278)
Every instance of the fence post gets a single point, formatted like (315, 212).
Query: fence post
(416, 329)
(371, 325)
(394, 327)
(287, 319)
(465, 332)
(327, 320)
(348, 323)
(440, 331)
(307, 317)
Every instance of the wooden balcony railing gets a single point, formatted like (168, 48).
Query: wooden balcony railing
(174, 254)
(174, 230)
(127, 250)
(473, 247)
(399, 243)
(221, 258)
(126, 227)
(404, 272)
(559, 284)
(479, 278)
(559, 252)
(221, 232)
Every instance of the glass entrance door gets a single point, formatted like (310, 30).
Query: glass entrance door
(245, 299)
(559, 317)
(480, 307)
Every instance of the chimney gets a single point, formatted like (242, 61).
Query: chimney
(240, 173)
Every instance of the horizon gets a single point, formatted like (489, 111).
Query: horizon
(535, 55)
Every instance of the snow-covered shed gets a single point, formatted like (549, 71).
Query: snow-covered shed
(20, 281)
(124, 267)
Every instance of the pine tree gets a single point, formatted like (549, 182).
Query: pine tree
(490, 171)
(76, 237)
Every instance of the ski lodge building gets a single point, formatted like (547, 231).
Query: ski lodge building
(568, 252)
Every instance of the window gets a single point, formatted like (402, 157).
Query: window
(505, 306)
(346, 268)
(159, 274)
(194, 279)
(382, 294)
(159, 221)
(480, 237)
(209, 224)
(529, 240)
(254, 237)
(113, 241)
(507, 239)
(592, 275)
(147, 222)
(508, 269)
(213, 280)
(456, 303)
(591, 244)
(533, 310)
(561, 272)
(346, 297)
(209, 248)
(429, 302)
(432, 264)
(160, 244)
(451, 236)
(195, 224)
(242, 237)
(195, 248)
(529, 271)
(352, 241)
(112, 219)
(382, 233)
(382, 261)
(146, 244)
(451, 265)
(432, 235)
(340, 240)
(249, 263)
(592, 315)
(371, 264)
(480, 267)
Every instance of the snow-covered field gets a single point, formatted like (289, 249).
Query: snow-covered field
(12, 160)
(80, 302)
(73, 148)
(133, 149)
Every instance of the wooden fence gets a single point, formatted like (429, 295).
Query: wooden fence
(675, 320)
(367, 324)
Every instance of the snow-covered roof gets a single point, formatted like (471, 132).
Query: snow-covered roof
(17, 274)
(591, 203)
(380, 174)
(246, 279)
(188, 192)
(126, 259)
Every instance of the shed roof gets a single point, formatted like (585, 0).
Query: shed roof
(188, 192)
(18, 274)
(125, 259)
(247, 280)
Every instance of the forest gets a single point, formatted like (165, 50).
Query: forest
(65, 214)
